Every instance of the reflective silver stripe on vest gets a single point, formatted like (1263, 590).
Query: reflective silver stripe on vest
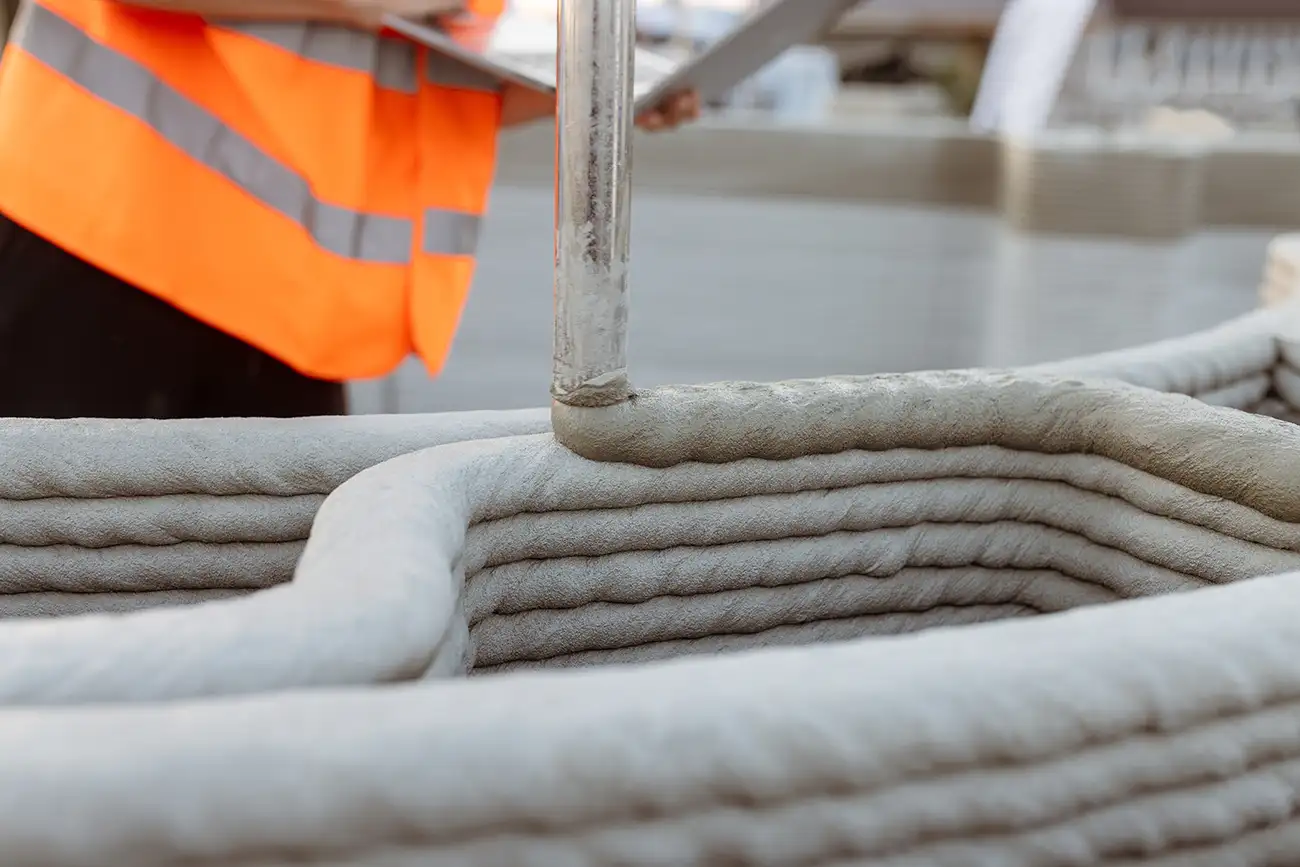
(390, 61)
(448, 233)
(130, 87)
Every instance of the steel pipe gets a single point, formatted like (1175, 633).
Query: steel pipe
(593, 192)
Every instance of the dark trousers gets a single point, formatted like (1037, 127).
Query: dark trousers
(76, 342)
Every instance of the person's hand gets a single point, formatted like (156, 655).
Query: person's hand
(674, 111)
(524, 105)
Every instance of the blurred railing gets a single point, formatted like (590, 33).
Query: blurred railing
(1243, 70)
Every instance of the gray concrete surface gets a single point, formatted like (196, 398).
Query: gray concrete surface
(763, 288)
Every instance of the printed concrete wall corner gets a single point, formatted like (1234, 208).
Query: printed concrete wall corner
(989, 503)
(1075, 709)
(1047, 521)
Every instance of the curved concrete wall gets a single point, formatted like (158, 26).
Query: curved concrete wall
(115, 515)
(844, 508)
(251, 730)
(135, 514)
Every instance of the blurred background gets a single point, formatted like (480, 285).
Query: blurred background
(836, 214)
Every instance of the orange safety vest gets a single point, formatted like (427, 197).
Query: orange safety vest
(314, 190)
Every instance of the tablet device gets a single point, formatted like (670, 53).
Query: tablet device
(755, 41)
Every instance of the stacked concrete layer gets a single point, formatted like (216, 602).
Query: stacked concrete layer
(1084, 186)
(1239, 364)
(114, 515)
(1156, 731)
(105, 516)
(1070, 181)
(1148, 731)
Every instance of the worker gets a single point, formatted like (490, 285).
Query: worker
(218, 208)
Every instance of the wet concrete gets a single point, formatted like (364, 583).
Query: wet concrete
(731, 288)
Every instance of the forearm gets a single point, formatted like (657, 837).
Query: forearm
(259, 10)
(519, 105)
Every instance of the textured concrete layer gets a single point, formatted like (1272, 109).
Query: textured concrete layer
(1081, 737)
(261, 727)
(1086, 738)
(1238, 364)
(1233, 365)
(778, 421)
(152, 511)
(1086, 184)
(156, 511)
